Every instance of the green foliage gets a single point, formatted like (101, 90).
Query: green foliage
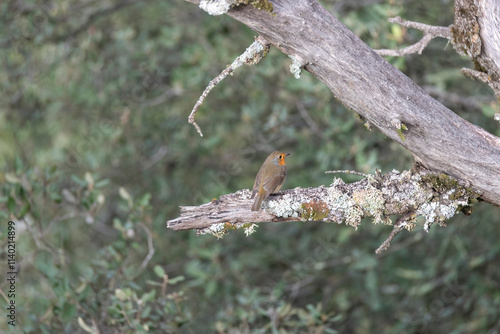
(96, 154)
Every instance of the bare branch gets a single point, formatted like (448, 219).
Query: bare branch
(250, 56)
(484, 77)
(430, 32)
(346, 171)
(476, 34)
(403, 222)
(151, 249)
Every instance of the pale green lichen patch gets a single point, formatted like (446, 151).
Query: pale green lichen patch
(219, 7)
(216, 7)
(450, 198)
(221, 229)
(341, 202)
(250, 228)
(440, 210)
(285, 206)
(371, 200)
(404, 192)
(217, 230)
(295, 67)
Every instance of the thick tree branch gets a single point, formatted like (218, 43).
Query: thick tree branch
(434, 196)
(476, 34)
(366, 83)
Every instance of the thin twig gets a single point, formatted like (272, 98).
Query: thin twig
(400, 224)
(305, 115)
(346, 171)
(164, 285)
(430, 32)
(250, 56)
(151, 249)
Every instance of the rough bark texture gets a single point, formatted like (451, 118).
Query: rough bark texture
(366, 83)
(411, 194)
(476, 34)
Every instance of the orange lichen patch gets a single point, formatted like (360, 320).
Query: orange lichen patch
(229, 226)
(314, 210)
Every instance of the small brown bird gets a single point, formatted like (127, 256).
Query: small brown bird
(270, 178)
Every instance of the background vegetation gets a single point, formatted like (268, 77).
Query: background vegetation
(96, 154)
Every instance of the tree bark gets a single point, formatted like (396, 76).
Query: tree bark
(476, 34)
(386, 98)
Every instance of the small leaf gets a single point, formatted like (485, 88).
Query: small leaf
(159, 271)
(175, 280)
(102, 183)
(148, 296)
(24, 210)
(120, 294)
(11, 204)
(12, 178)
(85, 327)
(78, 181)
(125, 195)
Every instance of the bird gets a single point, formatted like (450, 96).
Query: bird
(270, 178)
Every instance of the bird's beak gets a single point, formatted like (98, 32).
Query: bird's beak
(287, 154)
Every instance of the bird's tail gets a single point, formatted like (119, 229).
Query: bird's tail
(258, 202)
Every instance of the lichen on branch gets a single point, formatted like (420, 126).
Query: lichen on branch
(410, 194)
(219, 7)
(251, 56)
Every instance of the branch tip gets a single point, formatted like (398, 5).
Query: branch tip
(346, 171)
(250, 56)
(400, 224)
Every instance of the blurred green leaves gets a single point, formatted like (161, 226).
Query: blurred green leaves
(96, 154)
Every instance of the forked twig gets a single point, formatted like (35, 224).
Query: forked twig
(430, 32)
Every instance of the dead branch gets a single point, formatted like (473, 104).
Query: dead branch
(251, 56)
(387, 99)
(404, 222)
(430, 32)
(434, 196)
(476, 34)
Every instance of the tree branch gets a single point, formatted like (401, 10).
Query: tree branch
(251, 56)
(366, 83)
(419, 192)
(430, 32)
(475, 34)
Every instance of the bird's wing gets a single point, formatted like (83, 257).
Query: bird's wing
(274, 183)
